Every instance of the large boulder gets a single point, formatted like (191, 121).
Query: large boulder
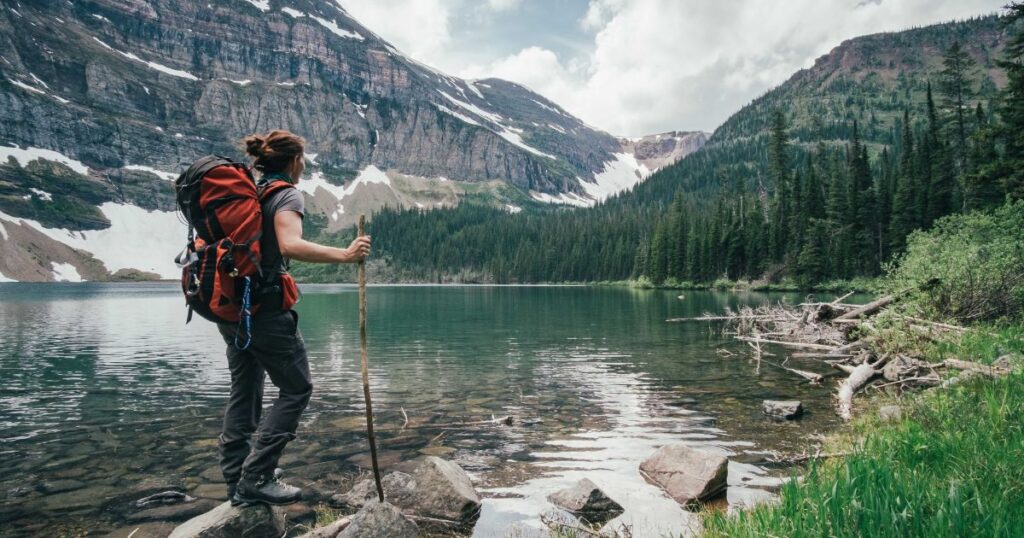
(379, 520)
(436, 489)
(586, 500)
(782, 409)
(226, 521)
(687, 474)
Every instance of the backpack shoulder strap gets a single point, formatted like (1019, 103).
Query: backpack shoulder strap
(266, 190)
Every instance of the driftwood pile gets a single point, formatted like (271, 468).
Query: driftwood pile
(826, 331)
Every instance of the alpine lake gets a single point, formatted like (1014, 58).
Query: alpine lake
(108, 396)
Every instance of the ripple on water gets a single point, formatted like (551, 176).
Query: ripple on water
(107, 389)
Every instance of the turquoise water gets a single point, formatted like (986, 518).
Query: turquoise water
(108, 395)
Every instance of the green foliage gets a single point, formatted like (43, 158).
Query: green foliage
(952, 468)
(73, 197)
(968, 268)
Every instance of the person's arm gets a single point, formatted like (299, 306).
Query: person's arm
(288, 225)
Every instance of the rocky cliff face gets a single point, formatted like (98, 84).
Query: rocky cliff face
(660, 150)
(127, 91)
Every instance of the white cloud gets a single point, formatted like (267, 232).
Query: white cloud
(419, 28)
(659, 65)
(503, 5)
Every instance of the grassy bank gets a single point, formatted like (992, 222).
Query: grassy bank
(950, 467)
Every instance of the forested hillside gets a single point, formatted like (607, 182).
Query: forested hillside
(822, 177)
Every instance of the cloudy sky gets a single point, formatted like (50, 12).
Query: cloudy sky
(635, 67)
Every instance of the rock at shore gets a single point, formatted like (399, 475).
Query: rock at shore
(437, 489)
(687, 474)
(782, 409)
(226, 521)
(586, 500)
(379, 520)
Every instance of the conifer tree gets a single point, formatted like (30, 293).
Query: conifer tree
(957, 92)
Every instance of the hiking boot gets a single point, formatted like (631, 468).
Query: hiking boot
(263, 489)
(233, 486)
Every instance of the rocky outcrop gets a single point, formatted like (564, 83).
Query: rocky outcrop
(661, 150)
(782, 409)
(586, 500)
(379, 520)
(165, 84)
(437, 489)
(226, 521)
(687, 474)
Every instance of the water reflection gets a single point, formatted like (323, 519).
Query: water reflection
(108, 394)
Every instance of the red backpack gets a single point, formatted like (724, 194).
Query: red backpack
(221, 273)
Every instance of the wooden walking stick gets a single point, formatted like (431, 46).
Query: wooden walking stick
(365, 368)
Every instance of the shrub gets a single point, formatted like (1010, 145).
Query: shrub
(967, 268)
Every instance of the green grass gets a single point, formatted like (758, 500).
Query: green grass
(953, 467)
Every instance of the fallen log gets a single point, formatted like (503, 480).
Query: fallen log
(958, 364)
(868, 309)
(859, 376)
(805, 345)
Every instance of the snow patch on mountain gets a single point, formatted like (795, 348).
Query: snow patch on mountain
(41, 194)
(152, 65)
(169, 176)
(618, 175)
(65, 272)
(136, 239)
(27, 155)
(262, 5)
(333, 27)
(564, 198)
(370, 175)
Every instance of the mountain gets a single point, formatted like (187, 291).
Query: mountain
(698, 219)
(870, 80)
(104, 101)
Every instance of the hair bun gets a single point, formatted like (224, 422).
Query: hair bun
(255, 145)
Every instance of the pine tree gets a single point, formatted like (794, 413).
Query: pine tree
(1012, 107)
(957, 91)
(779, 172)
(939, 195)
(906, 216)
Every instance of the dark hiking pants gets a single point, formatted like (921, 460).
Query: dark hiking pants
(276, 350)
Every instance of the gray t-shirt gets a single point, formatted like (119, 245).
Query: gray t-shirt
(283, 200)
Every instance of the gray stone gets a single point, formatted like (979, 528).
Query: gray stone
(782, 409)
(587, 500)
(890, 413)
(379, 520)
(366, 490)
(687, 474)
(226, 521)
(437, 489)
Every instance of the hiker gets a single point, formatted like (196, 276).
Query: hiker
(275, 347)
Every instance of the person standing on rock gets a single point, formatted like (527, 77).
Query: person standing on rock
(277, 349)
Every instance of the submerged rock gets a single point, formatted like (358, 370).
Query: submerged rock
(587, 500)
(687, 474)
(380, 520)
(782, 409)
(437, 489)
(226, 521)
